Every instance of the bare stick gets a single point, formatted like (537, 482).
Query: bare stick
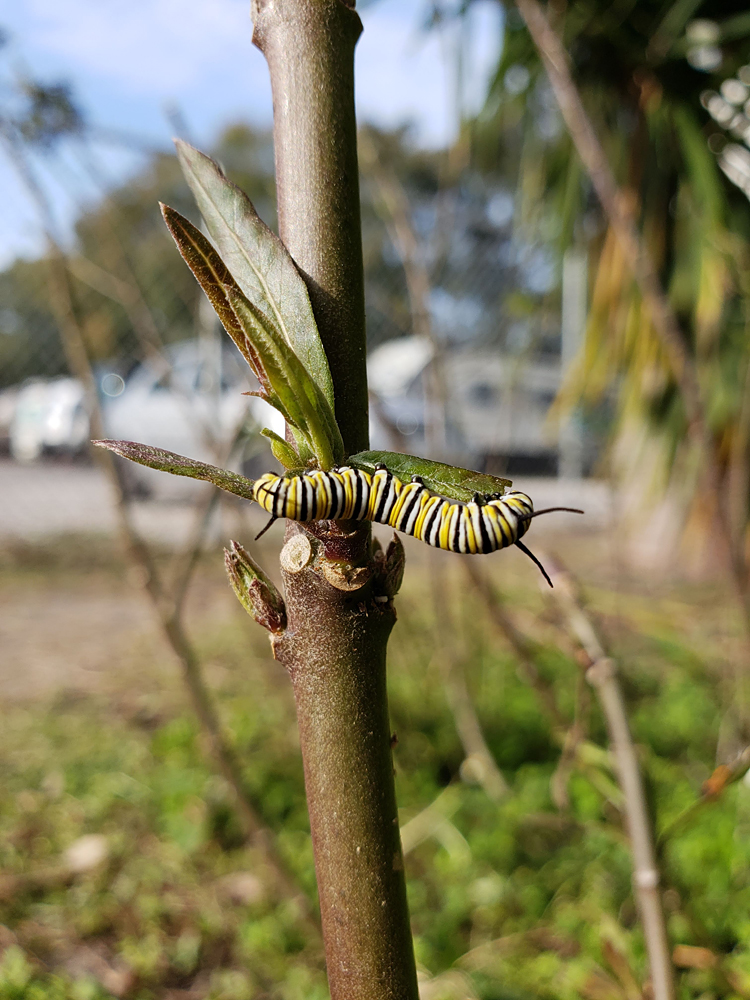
(601, 673)
(479, 765)
(187, 560)
(713, 788)
(396, 213)
(523, 647)
(619, 212)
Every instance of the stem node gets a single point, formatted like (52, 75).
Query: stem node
(296, 554)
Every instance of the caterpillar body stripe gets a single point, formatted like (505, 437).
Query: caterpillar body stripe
(484, 525)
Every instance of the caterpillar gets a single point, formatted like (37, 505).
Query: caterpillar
(486, 524)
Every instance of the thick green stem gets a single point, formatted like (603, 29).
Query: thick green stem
(339, 615)
(309, 46)
(334, 649)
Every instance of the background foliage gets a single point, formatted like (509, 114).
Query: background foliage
(517, 899)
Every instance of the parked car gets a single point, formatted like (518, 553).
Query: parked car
(497, 407)
(49, 415)
(8, 400)
(191, 404)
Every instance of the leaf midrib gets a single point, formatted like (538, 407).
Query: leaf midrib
(254, 269)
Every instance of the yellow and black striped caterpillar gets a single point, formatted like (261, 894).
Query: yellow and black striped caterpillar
(484, 525)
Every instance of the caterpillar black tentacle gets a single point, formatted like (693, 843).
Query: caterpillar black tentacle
(534, 559)
(486, 524)
(269, 524)
(551, 510)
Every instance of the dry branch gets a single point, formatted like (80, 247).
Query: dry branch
(601, 674)
(523, 647)
(396, 212)
(479, 765)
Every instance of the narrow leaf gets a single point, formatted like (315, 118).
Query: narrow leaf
(178, 465)
(282, 450)
(447, 480)
(299, 394)
(258, 260)
(214, 277)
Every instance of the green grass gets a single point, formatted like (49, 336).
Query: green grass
(516, 900)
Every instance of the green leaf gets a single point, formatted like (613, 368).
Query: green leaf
(282, 450)
(447, 480)
(305, 406)
(214, 277)
(259, 261)
(285, 382)
(178, 465)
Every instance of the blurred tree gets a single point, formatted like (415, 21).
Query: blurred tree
(642, 68)
(129, 278)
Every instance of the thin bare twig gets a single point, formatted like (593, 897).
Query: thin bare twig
(713, 788)
(479, 764)
(601, 673)
(187, 560)
(620, 214)
(525, 649)
(522, 646)
(396, 213)
(167, 611)
(433, 821)
(397, 439)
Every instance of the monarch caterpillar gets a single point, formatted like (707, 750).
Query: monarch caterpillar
(486, 524)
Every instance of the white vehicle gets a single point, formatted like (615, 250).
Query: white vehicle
(49, 415)
(190, 403)
(192, 407)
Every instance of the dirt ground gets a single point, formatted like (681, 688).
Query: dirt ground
(84, 631)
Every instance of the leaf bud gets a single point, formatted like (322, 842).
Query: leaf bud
(255, 592)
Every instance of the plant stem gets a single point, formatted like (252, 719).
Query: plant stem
(601, 673)
(309, 47)
(335, 643)
(619, 212)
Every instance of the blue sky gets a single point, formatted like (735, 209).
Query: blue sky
(129, 59)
